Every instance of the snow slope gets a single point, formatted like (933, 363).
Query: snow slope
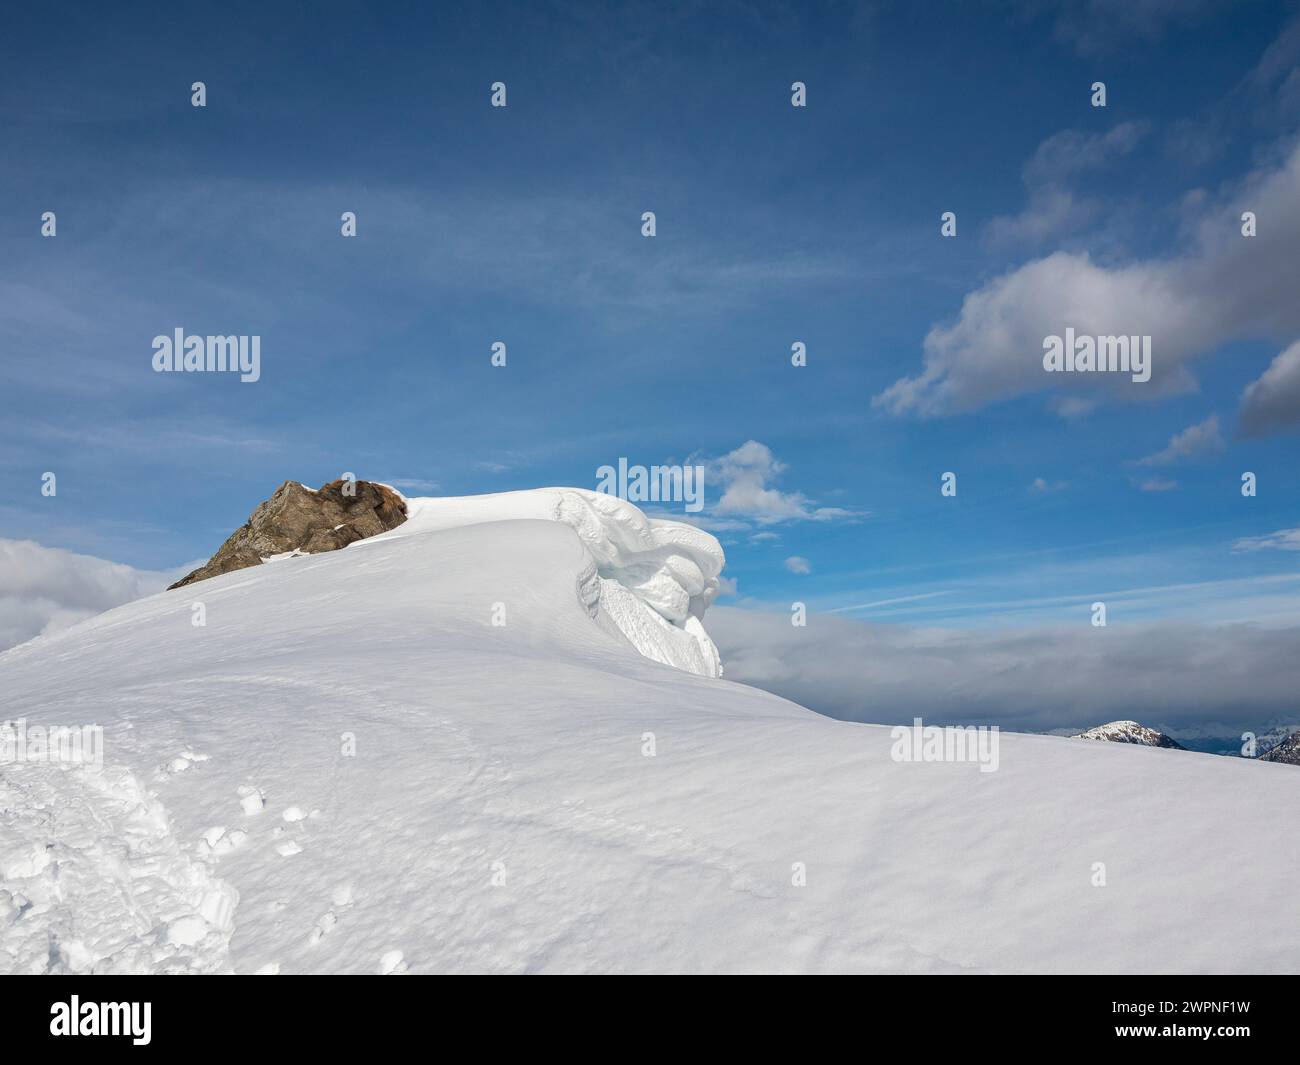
(498, 812)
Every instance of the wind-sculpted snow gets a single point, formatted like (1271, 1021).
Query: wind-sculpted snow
(657, 576)
(362, 773)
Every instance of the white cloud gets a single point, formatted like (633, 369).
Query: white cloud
(1054, 209)
(1072, 408)
(994, 351)
(44, 589)
(748, 495)
(1073, 152)
(798, 564)
(1041, 484)
(1282, 540)
(1203, 438)
(1225, 286)
(1051, 211)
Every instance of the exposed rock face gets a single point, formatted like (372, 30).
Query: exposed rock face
(1287, 751)
(296, 518)
(1130, 732)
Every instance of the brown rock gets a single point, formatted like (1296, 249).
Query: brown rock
(297, 519)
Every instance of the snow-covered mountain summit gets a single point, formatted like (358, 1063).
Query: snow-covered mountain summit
(1130, 732)
(651, 578)
(437, 750)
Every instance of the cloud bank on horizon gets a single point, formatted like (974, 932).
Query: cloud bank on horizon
(1193, 679)
(45, 589)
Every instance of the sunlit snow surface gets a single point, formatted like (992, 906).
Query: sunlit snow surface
(501, 812)
(656, 577)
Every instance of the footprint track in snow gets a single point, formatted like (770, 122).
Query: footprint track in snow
(97, 881)
(180, 763)
(218, 841)
(251, 799)
(342, 900)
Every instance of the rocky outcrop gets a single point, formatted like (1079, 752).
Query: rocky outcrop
(1287, 751)
(1130, 732)
(300, 519)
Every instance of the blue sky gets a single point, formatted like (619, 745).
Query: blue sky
(775, 224)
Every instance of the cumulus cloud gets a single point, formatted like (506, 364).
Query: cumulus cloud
(1272, 402)
(1225, 286)
(1282, 540)
(994, 350)
(746, 475)
(798, 564)
(1203, 438)
(44, 589)
(1179, 676)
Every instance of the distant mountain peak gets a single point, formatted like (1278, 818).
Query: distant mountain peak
(1287, 750)
(1130, 732)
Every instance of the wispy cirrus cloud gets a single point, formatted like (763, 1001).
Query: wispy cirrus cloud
(1054, 208)
(1156, 484)
(1097, 28)
(411, 484)
(1282, 540)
